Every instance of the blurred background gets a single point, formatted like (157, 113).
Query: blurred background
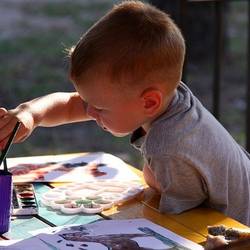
(34, 35)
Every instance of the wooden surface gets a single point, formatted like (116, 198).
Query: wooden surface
(196, 219)
(191, 224)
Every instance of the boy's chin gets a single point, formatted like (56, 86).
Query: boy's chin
(119, 134)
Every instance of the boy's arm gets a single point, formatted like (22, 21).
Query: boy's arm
(150, 178)
(56, 109)
(49, 110)
(181, 185)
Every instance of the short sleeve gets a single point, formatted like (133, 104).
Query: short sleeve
(182, 186)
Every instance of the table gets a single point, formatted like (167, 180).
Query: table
(191, 224)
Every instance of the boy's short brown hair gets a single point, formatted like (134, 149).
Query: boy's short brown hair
(134, 41)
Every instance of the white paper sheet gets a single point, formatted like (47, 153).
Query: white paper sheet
(134, 234)
(68, 168)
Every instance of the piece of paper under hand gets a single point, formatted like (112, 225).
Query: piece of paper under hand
(134, 234)
(70, 168)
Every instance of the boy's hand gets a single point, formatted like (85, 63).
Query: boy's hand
(8, 119)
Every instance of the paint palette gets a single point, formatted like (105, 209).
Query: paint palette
(90, 197)
(24, 200)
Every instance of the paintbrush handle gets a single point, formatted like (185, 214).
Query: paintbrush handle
(5, 168)
(9, 142)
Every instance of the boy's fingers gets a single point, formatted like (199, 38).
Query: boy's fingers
(4, 120)
(2, 144)
(16, 140)
(21, 138)
(7, 129)
(3, 112)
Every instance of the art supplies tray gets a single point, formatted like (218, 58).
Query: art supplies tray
(24, 200)
(90, 197)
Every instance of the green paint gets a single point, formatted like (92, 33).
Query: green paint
(55, 216)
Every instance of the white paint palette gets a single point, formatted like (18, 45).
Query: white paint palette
(90, 197)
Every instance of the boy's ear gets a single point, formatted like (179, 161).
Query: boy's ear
(152, 100)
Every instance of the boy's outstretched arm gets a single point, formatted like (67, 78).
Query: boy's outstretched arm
(46, 111)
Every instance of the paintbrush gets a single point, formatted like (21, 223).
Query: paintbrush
(5, 165)
(7, 147)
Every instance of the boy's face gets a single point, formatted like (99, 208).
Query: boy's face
(116, 111)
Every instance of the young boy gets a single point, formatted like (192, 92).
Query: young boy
(126, 70)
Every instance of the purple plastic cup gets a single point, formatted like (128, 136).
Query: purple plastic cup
(5, 200)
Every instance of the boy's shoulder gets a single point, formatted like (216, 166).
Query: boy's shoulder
(183, 103)
(187, 127)
(166, 130)
(172, 127)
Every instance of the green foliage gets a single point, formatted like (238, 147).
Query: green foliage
(66, 8)
(35, 63)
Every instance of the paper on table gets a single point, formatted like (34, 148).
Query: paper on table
(70, 168)
(132, 234)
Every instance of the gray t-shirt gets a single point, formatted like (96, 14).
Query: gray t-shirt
(195, 160)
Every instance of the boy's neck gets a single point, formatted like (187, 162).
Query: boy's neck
(146, 126)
